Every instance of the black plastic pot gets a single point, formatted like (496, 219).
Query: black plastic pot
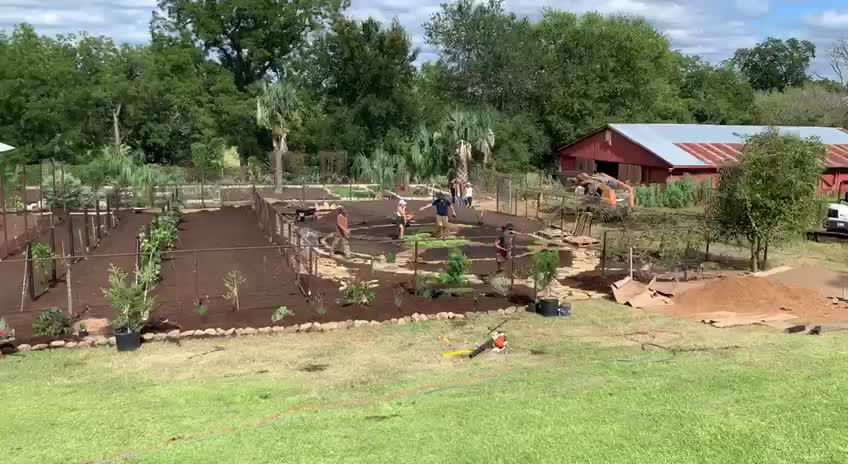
(548, 307)
(127, 341)
(83, 333)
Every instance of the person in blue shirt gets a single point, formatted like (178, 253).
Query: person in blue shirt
(443, 208)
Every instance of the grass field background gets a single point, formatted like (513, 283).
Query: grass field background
(607, 385)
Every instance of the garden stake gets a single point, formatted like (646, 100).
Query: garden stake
(415, 269)
(70, 232)
(23, 202)
(97, 213)
(53, 277)
(196, 288)
(5, 219)
(86, 242)
(24, 284)
(68, 284)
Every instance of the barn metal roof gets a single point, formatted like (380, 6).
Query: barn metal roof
(4, 147)
(700, 145)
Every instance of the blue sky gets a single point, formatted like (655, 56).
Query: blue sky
(710, 28)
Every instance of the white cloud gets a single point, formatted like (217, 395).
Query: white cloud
(831, 20)
(752, 8)
(712, 28)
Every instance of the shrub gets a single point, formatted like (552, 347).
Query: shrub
(129, 300)
(41, 256)
(51, 323)
(500, 285)
(545, 266)
(6, 332)
(456, 269)
(201, 310)
(358, 293)
(281, 313)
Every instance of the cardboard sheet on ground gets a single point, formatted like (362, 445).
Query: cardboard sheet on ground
(731, 319)
(637, 295)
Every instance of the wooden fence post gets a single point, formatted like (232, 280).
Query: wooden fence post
(86, 242)
(53, 277)
(70, 218)
(30, 275)
(97, 233)
(604, 255)
(415, 270)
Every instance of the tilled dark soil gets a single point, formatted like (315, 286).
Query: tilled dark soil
(89, 277)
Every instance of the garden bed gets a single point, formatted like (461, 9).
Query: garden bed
(89, 276)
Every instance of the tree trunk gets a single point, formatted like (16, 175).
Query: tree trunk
(116, 128)
(278, 164)
(463, 153)
(765, 256)
(242, 170)
(754, 253)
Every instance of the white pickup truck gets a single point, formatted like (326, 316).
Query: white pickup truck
(837, 218)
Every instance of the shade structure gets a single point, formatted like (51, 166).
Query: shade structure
(4, 147)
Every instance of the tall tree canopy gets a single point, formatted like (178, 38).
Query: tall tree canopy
(776, 64)
(715, 94)
(364, 74)
(604, 69)
(250, 37)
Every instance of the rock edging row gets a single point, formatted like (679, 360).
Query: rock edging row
(308, 327)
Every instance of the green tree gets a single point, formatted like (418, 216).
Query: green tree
(461, 131)
(776, 64)
(367, 70)
(715, 94)
(278, 109)
(812, 104)
(486, 55)
(602, 69)
(207, 159)
(770, 197)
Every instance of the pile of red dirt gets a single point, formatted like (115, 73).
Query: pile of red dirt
(751, 295)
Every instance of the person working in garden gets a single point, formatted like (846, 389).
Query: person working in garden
(443, 208)
(503, 246)
(342, 233)
(454, 191)
(401, 218)
(469, 199)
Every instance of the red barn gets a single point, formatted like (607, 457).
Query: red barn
(657, 153)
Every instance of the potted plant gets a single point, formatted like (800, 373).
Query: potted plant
(83, 329)
(132, 305)
(545, 266)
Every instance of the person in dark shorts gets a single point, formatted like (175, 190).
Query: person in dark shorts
(443, 208)
(401, 219)
(341, 242)
(503, 246)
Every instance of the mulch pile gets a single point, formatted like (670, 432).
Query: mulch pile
(750, 295)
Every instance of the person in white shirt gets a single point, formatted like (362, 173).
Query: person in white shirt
(468, 195)
(401, 218)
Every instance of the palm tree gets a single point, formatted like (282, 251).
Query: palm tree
(278, 109)
(463, 131)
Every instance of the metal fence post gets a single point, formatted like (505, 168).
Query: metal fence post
(196, 286)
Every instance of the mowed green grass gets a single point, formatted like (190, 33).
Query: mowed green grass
(581, 389)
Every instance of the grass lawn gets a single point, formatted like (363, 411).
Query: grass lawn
(588, 388)
(426, 240)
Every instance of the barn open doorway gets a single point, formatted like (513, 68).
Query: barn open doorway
(607, 167)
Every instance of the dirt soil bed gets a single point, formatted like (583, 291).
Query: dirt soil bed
(89, 276)
(752, 295)
(269, 283)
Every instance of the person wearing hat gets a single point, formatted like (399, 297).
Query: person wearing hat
(401, 218)
(342, 239)
(503, 246)
(443, 207)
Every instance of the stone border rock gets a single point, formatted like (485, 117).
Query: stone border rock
(309, 327)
